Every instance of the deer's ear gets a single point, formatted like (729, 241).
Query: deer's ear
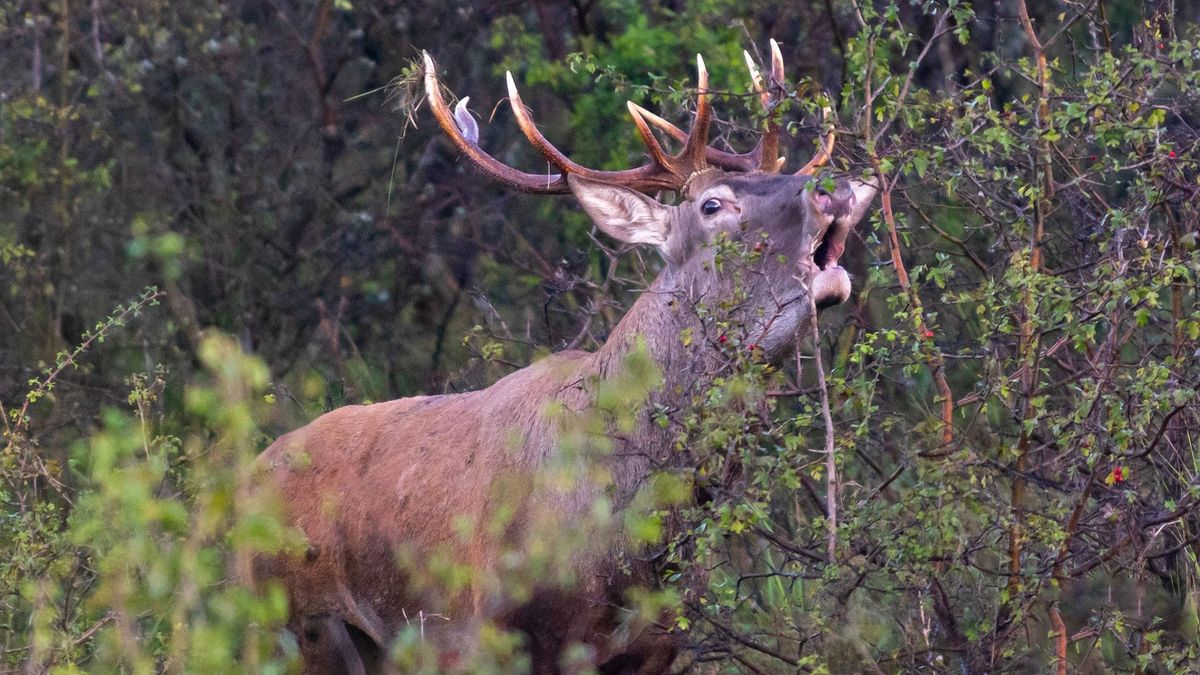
(625, 215)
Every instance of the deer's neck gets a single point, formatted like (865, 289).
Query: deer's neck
(664, 324)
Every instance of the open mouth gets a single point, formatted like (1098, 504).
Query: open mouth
(830, 285)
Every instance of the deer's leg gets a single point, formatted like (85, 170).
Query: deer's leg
(658, 661)
(651, 653)
(329, 645)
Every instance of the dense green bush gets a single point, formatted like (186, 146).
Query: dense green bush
(125, 558)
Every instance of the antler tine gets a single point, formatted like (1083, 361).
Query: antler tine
(694, 151)
(539, 142)
(755, 78)
(822, 157)
(657, 155)
(648, 116)
(776, 63)
(526, 182)
(766, 153)
(770, 159)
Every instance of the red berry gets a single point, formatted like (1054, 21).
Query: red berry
(1093, 158)
(1118, 474)
(721, 339)
(928, 334)
(1171, 154)
(1161, 46)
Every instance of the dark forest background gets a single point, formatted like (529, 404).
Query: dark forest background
(220, 219)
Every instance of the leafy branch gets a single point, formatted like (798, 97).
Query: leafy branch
(17, 421)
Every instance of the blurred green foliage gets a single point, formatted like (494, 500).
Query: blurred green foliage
(128, 563)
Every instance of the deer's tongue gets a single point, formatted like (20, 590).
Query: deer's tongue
(831, 247)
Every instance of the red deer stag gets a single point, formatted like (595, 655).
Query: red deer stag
(370, 483)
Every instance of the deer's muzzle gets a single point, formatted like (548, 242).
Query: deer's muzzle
(830, 286)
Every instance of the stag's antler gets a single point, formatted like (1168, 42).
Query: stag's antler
(663, 172)
(765, 156)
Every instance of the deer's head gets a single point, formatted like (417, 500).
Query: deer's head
(795, 225)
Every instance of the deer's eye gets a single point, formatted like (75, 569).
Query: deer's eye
(710, 207)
